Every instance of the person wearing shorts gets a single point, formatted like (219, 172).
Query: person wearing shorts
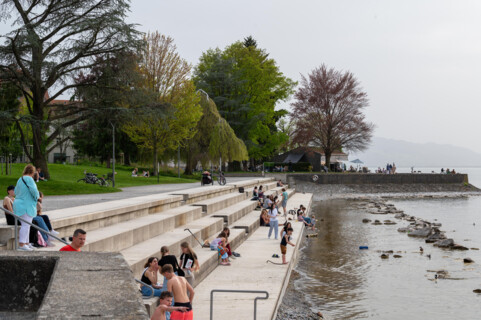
(286, 239)
(179, 288)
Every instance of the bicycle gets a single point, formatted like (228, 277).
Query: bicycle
(91, 178)
(221, 179)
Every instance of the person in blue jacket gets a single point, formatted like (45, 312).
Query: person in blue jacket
(25, 204)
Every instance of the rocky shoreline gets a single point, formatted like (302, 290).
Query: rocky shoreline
(294, 306)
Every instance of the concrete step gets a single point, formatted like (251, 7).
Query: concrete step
(233, 213)
(126, 234)
(99, 215)
(249, 223)
(138, 254)
(214, 204)
(251, 272)
(205, 192)
(208, 261)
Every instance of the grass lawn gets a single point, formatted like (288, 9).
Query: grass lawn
(63, 179)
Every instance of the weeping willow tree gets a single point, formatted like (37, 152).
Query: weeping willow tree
(214, 140)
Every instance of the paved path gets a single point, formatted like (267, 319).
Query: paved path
(68, 201)
(251, 272)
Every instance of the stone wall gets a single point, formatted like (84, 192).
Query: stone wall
(371, 178)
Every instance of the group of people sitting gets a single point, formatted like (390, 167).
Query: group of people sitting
(135, 173)
(222, 246)
(176, 291)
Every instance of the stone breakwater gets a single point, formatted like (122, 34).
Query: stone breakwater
(417, 228)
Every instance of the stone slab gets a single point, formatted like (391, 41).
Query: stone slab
(87, 285)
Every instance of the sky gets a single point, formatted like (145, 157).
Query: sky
(418, 61)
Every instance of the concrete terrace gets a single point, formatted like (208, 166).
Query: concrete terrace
(137, 227)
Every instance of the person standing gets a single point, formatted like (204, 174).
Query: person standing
(284, 201)
(188, 262)
(274, 222)
(183, 294)
(25, 204)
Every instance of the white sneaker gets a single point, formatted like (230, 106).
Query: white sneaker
(31, 246)
(54, 232)
(25, 248)
(50, 244)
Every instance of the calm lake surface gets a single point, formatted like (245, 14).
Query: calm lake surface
(347, 283)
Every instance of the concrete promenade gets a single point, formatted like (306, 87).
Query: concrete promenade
(68, 201)
(252, 272)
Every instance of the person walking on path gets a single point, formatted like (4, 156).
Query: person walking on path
(274, 222)
(25, 204)
(182, 291)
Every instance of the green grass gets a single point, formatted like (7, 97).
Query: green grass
(63, 179)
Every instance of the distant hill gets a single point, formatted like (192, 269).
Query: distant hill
(407, 154)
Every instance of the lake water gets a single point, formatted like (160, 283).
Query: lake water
(347, 283)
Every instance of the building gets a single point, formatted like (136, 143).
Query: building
(315, 156)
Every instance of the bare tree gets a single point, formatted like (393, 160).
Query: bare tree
(52, 41)
(328, 112)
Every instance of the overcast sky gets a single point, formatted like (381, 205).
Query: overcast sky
(418, 61)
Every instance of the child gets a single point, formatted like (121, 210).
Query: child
(223, 252)
(286, 239)
(165, 303)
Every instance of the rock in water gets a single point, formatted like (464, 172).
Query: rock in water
(397, 256)
(421, 233)
(446, 243)
(366, 220)
(435, 237)
(384, 256)
(459, 247)
(468, 260)
(477, 290)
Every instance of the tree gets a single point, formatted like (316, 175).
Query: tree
(9, 109)
(246, 85)
(170, 119)
(107, 91)
(53, 41)
(215, 139)
(328, 112)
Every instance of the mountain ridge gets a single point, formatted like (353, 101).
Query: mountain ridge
(408, 154)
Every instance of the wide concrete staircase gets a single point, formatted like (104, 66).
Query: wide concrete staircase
(138, 227)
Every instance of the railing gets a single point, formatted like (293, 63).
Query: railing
(147, 285)
(32, 225)
(237, 291)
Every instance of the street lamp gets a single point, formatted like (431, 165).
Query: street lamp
(113, 154)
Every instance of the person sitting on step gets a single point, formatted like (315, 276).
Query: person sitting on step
(149, 276)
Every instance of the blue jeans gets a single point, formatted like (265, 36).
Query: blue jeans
(41, 223)
(307, 219)
(146, 291)
(274, 225)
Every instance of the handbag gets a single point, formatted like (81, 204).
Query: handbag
(180, 272)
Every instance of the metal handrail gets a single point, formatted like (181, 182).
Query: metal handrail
(147, 285)
(238, 291)
(32, 225)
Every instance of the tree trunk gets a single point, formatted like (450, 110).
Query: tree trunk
(328, 159)
(39, 156)
(107, 162)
